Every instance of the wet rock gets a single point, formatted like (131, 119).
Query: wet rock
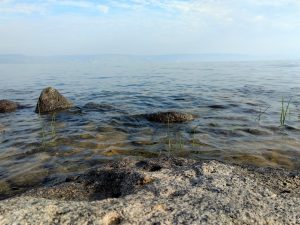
(218, 106)
(92, 106)
(221, 106)
(255, 131)
(4, 187)
(170, 117)
(7, 106)
(95, 185)
(51, 100)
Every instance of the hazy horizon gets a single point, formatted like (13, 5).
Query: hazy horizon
(150, 27)
(126, 58)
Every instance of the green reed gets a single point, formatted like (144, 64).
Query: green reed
(261, 112)
(180, 142)
(177, 143)
(284, 111)
(52, 125)
(193, 137)
(169, 138)
(44, 127)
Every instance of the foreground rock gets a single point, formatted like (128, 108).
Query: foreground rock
(7, 106)
(51, 100)
(163, 191)
(170, 117)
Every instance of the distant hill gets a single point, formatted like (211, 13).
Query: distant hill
(14, 58)
(201, 57)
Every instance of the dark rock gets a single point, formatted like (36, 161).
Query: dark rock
(255, 131)
(7, 106)
(170, 117)
(92, 106)
(51, 100)
(94, 185)
(148, 166)
(218, 106)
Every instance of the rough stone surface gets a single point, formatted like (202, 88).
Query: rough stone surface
(51, 100)
(7, 106)
(163, 191)
(170, 117)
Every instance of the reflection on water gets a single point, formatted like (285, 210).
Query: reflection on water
(237, 106)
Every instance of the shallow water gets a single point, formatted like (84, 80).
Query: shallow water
(229, 99)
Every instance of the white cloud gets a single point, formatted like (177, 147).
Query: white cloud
(5, 1)
(103, 8)
(154, 26)
(72, 3)
(274, 3)
(208, 8)
(23, 8)
(41, 7)
(259, 18)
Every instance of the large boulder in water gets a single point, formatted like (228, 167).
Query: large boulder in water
(7, 106)
(51, 100)
(170, 117)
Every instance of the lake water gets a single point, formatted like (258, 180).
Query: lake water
(237, 104)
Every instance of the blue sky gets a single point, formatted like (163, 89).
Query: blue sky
(47, 27)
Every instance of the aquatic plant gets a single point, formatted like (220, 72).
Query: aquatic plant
(169, 139)
(180, 142)
(44, 127)
(53, 131)
(193, 137)
(261, 113)
(176, 144)
(284, 110)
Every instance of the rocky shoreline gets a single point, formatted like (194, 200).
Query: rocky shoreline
(162, 191)
(51, 101)
(155, 191)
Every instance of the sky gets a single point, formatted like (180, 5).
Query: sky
(150, 27)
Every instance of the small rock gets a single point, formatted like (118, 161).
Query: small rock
(170, 117)
(112, 218)
(4, 187)
(217, 106)
(92, 106)
(51, 100)
(7, 106)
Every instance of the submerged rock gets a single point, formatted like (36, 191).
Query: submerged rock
(218, 106)
(2, 129)
(92, 106)
(7, 106)
(170, 117)
(51, 100)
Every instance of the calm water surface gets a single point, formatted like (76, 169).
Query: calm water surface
(237, 103)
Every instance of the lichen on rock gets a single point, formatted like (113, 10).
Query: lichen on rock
(7, 106)
(51, 100)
